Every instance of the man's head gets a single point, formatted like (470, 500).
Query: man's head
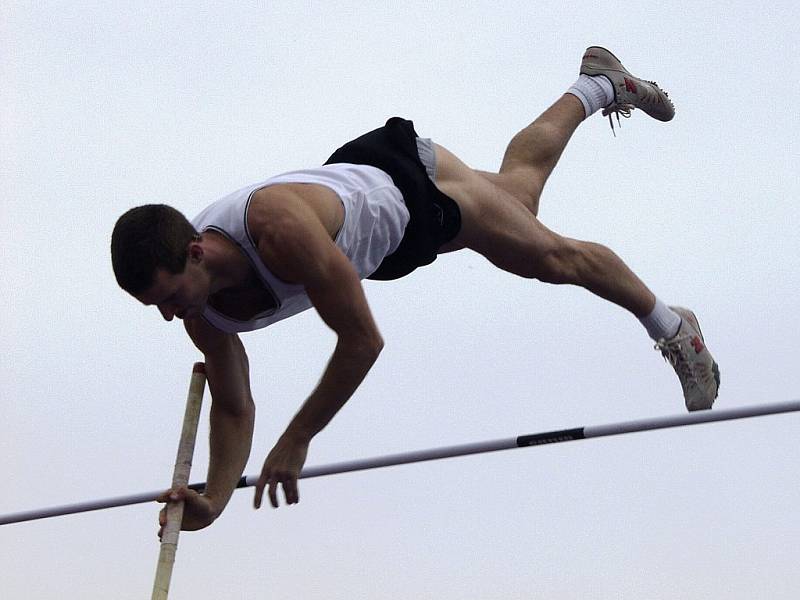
(151, 248)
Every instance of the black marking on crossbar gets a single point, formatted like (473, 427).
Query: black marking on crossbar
(551, 437)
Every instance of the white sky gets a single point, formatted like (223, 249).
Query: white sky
(105, 107)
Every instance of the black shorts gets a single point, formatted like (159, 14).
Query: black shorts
(435, 217)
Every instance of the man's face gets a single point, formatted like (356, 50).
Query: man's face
(183, 295)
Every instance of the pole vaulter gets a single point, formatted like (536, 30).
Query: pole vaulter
(522, 441)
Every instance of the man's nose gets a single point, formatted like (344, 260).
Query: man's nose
(167, 312)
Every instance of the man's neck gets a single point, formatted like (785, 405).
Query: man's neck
(227, 266)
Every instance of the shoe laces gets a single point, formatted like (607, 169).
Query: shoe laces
(623, 109)
(674, 352)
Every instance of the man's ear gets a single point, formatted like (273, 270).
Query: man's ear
(195, 249)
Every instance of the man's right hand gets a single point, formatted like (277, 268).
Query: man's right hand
(198, 510)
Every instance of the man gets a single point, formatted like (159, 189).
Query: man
(383, 205)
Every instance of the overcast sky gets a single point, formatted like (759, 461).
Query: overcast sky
(106, 106)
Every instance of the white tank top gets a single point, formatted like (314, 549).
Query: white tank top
(375, 218)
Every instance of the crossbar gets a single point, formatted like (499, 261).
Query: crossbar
(522, 441)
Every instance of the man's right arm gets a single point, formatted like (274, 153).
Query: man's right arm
(232, 414)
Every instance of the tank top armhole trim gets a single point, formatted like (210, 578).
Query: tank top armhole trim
(339, 194)
(246, 212)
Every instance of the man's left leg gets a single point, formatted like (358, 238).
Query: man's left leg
(533, 153)
(603, 84)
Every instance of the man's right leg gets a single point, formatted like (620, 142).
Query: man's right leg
(500, 227)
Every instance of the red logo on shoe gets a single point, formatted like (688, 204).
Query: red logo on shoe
(630, 86)
(697, 344)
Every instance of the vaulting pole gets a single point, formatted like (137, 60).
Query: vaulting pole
(536, 439)
(180, 478)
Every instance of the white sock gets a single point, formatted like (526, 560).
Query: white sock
(662, 322)
(594, 92)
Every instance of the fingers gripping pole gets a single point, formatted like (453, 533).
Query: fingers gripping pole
(180, 477)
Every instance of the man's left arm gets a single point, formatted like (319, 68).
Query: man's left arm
(306, 254)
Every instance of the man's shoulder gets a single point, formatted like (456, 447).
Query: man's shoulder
(273, 207)
(287, 210)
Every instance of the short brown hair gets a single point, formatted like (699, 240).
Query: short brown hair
(146, 238)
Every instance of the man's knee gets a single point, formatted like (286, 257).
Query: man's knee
(523, 183)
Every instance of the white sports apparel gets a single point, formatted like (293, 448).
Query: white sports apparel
(375, 218)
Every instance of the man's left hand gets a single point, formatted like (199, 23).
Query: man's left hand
(283, 465)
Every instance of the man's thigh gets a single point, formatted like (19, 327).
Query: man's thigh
(493, 221)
